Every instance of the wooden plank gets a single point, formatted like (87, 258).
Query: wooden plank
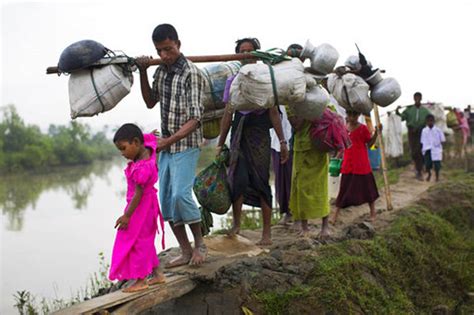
(116, 298)
(172, 291)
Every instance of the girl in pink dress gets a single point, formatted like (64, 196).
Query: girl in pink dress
(134, 254)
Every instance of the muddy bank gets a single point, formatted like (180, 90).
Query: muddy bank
(420, 263)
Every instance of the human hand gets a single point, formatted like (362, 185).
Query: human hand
(143, 62)
(122, 222)
(218, 150)
(284, 154)
(162, 143)
(379, 128)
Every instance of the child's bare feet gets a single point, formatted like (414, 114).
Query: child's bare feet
(138, 286)
(199, 255)
(181, 260)
(158, 278)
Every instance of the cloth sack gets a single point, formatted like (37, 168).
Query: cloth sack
(253, 88)
(98, 89)
(216, 76)
(351, 92)
(315, 102)
(393, 136)
(329, 132)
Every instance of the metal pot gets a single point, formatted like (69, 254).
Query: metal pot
(386, 92)
(375, 78)
(323, 58)
(80, 55)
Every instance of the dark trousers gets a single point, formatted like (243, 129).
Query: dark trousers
(414, 136)
(282, 180)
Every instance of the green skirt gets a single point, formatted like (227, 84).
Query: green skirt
(309, 185)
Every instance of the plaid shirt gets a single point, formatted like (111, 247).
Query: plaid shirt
(179, 90)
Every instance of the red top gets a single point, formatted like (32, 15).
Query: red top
(356, 158)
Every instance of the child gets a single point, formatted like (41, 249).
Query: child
(134, 254)
(431, 141)
(357, 182)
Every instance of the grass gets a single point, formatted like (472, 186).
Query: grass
(423, 260)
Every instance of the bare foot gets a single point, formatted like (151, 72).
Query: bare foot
(304, 234)
(285, 219)
(138, 286)
(296, 226)
(324, 234)
(157, 279)
(199, 255)
(181, 260)
(265, 241)
(233, 231)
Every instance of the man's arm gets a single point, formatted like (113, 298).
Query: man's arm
(143, 63)
(183, 132)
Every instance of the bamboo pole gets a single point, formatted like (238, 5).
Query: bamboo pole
(209, 58)
(388, 195)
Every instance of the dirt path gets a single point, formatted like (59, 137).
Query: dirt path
(405, 192)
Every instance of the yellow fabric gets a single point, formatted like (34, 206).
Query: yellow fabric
(309, 185)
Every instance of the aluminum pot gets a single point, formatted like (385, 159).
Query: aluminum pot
(386, 92)
(375, 78)
(80, 55)
(323, 58)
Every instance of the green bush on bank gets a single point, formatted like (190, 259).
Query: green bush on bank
(423, 260)
(25, 148)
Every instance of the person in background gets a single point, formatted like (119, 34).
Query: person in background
(283, 171)
(357, 182)
(415, 117)
(178, 85)
(134, 254)
(432, 139)
(464, 131)
(470, 121)
(249, 166)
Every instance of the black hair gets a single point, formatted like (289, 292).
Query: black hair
(163, 32)
(430, 116)
(352, 112)
(255, 43)
(128, 132)
(417, 94)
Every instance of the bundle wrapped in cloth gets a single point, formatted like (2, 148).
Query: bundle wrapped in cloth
(350, 91)
(329, 132)
(315, 102)
(216, 76)
(257, 86)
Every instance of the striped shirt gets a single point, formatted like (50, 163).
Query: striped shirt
(179, 90)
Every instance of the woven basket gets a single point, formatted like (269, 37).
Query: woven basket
(211, 128)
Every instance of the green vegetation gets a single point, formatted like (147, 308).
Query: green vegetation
(25, 148)
(423, 260)
(27, 303)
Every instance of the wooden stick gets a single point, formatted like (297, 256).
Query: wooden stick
(388, 195)
(210, 58)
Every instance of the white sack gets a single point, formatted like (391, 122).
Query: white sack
(393, 136)
(252, 87)
(357, 96)
(315, 102)
(112, 86)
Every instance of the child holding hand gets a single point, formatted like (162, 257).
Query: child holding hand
(134, 254)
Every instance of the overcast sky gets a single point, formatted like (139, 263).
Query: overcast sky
(426, 45)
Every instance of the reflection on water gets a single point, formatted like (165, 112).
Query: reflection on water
(19, 192)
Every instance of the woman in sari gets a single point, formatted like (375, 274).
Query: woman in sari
(249, 169)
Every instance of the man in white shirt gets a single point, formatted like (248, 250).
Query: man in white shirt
(431, 146)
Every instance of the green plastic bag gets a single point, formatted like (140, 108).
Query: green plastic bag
(211, 187)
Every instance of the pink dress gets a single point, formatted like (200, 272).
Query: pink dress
(134, 253)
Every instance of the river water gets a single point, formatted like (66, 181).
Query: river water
(54, 226)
